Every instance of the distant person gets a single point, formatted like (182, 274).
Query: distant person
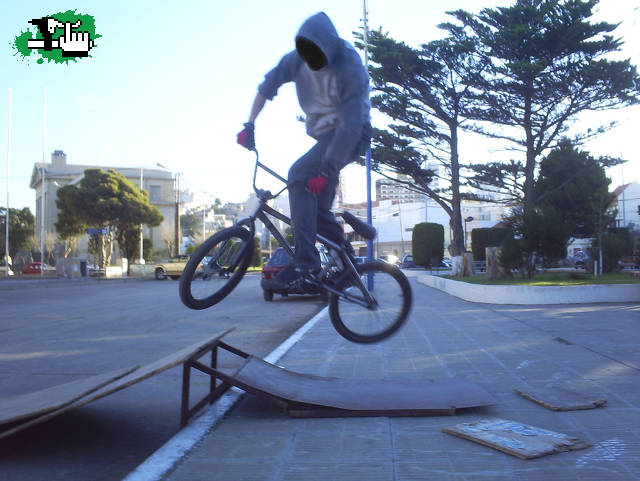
(333, 92)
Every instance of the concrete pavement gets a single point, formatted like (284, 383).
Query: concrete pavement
(592, 348)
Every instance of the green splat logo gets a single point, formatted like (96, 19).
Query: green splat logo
(59, 38)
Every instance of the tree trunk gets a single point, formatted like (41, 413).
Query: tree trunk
(494, 269)
(456, 248)
(463, 265)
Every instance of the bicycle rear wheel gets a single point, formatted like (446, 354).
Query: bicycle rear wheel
(387, 293)
(216, 268)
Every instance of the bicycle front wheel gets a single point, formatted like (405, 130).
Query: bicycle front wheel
(374, 305)
(216, 267)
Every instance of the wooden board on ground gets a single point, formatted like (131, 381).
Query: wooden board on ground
(558, 398)
(40, 402)
(306, 395)
(520, 440)
(134, 377)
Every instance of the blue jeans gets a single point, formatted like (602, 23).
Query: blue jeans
(310, 213)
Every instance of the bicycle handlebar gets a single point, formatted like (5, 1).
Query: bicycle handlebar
(260, 192)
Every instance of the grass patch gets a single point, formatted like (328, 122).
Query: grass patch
(565, 278)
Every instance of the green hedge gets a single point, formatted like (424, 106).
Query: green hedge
(486, 237)
(428, 243)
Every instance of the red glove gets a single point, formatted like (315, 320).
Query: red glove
(246, 137)
(316, 184)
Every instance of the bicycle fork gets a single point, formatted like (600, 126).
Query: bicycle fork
(367, 300)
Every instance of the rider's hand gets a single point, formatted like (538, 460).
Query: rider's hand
(246, 138)
(316, 184)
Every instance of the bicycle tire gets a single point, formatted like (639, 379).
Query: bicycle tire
(350, 319)
(231, 250)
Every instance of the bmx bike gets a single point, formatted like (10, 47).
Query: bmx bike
(368, 302)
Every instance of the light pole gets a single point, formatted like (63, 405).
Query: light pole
(6, 236)
(467, 219)
(141, 226)
(42, 208)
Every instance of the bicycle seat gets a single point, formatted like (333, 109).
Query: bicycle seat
(365, 230)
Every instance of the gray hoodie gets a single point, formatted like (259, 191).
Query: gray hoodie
(335, 98)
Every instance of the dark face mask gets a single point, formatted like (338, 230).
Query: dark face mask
(311, 54)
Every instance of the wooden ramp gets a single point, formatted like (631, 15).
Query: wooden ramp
(306, 395)
(521, 440)
(40, 406)
(302, 395)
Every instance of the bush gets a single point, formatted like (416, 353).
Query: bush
(511, 255)
(479, 241)
(616, 243)
(428, 243)
(486, 237)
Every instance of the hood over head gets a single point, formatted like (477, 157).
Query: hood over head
(317, 41)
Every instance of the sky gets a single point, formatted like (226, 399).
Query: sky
(172, 83)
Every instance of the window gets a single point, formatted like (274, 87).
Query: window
(155, 193)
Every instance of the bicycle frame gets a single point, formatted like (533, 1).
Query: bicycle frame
(261, 213)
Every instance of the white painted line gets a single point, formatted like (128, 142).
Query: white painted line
(160, 462)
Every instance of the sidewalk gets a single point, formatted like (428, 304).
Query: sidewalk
(592, 348)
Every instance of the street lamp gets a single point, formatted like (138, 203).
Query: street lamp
(468, 219)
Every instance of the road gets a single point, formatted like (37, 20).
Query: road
(69, 330)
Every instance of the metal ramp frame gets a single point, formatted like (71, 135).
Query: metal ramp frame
(306, 395)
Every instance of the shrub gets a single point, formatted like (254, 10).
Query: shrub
(486, 237)
(428, 243)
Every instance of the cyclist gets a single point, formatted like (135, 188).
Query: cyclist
(333, 92)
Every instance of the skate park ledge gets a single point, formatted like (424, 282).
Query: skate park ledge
(492, 294)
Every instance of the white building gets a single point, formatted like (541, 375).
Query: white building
(159, 183)
(627, 202)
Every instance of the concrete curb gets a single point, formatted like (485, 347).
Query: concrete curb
(534, 294)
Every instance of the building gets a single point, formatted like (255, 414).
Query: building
(394, 221)
(627, 203)
(394, 190)
(47, 178)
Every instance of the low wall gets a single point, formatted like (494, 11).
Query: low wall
(534, 294)
(141, 270)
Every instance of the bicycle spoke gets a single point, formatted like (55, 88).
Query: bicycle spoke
(215, 268)
(372, 306)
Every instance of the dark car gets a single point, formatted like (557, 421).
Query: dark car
(278, 261)
(580, 259)
(407, 262)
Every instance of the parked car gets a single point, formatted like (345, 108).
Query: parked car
(390, 258)
(407, 262)
(360, 259)
(276, 264)
(579, 259)
(36, 268)
(171, 268)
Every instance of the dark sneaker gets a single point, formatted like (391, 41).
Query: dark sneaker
(286, 279)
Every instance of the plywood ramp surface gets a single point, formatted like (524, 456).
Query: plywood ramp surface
(393, 395)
